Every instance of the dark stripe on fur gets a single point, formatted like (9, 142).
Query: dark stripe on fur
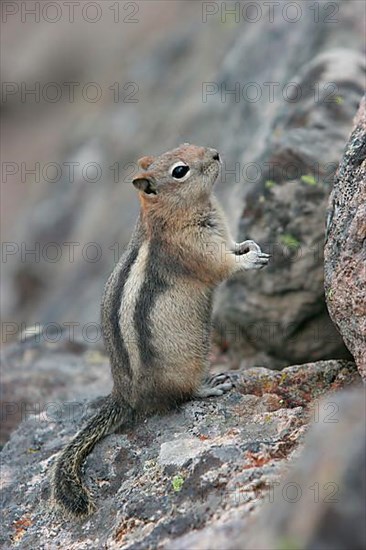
(111, 304)
(154, 284)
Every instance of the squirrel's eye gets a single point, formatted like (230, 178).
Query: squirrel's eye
(180, 171)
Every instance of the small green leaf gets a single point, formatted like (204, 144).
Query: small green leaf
(289, 240)
(269, 184)
(177, 483)
(308, 179)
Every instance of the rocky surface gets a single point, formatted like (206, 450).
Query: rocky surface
(319, 504)
(36, 376)
(280, 312)
(211, 463)
(345, 249)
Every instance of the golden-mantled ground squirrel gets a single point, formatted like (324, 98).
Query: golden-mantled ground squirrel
(156, 309)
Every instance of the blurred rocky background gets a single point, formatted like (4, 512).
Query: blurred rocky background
(89, 88)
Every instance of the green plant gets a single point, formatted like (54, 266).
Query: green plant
(330, 294)
(289, 240)
(269, 184)
(177, 483)
(308, 179)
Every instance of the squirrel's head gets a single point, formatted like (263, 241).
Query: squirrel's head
(181, 176)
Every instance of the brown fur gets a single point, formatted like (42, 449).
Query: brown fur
(145, 162)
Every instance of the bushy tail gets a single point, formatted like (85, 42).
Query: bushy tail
(67, 488)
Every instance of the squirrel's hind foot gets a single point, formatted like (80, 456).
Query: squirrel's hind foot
(217, 384)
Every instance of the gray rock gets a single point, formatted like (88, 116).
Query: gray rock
(37, 377)
(345, 250)
(319, 505)
(178, 453)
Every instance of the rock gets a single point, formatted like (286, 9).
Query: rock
(345, 250)
(281, 310)
(320, 504)
(297, 385)
(328, 484)
(179, 453)
(36, 377)
(208, 462)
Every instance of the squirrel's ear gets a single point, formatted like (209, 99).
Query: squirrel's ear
(143, 183)
(145, 162)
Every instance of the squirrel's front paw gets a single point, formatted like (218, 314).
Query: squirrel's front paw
(245, 247)
(258, 259)
(252, 256)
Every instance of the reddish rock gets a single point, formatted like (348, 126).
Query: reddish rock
(345, 249)
(298, 385)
